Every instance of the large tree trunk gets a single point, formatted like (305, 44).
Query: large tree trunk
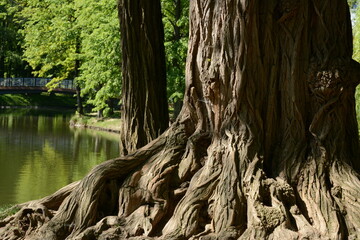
(145, 110)
(265, 147)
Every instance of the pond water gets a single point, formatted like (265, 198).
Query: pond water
(40, 153)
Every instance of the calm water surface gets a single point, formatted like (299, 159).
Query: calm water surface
(40, 153)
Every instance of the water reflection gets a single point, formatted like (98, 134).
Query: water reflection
(39, 153)
(37, 170)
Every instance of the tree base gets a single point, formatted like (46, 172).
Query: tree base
(192, 187)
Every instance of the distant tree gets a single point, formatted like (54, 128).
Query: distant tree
(176, 25)
(356, 31)
(352, 3)
(100, 52)
(144, 100)
(11, 62)
(50, 37)
(356, 40)
(75, 39)
(52, 44)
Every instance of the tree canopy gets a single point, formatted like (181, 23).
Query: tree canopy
(176, 25)
(74, 39)
(80, 39)
(11, 41)
(50, 37)
(100, 54)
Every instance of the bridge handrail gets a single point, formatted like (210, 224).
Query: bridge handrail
(34, 82)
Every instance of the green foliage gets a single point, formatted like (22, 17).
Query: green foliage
(51, 37)
(41, 100)
(11, 63)
(352, 3)
(356, 33)
(75, 39)
(8, 210)
(100, 52)
(80, 39)
(91, 121)
(176, 29)
(356, 54)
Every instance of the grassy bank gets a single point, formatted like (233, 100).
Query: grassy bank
(91, 121)
(38, 100)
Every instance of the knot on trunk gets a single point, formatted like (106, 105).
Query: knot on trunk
(287, 9)
(287, 6)
(328, 80)
(326, 84)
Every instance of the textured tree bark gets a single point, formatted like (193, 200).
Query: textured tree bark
(265, 147)
(145, 109)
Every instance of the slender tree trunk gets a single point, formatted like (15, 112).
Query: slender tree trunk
(2, 66)
(3, 49)
(177, 103)
(178, 10)
(80, 108)
(145, 108)
(265, 146)
(79, 101)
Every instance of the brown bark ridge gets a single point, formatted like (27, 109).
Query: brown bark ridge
(265, 147)
(145, 110)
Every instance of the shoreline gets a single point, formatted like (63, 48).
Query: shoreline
(36, 107)
(94, 123)
(46, 100)
(85, 121)
(87, 126)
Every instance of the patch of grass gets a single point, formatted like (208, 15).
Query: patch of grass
(8, 210)
(78, 119)
(108, 123)
(39, 100)
(13, 100)
(92, 121)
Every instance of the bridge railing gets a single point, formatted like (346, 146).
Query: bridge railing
(34, 82)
